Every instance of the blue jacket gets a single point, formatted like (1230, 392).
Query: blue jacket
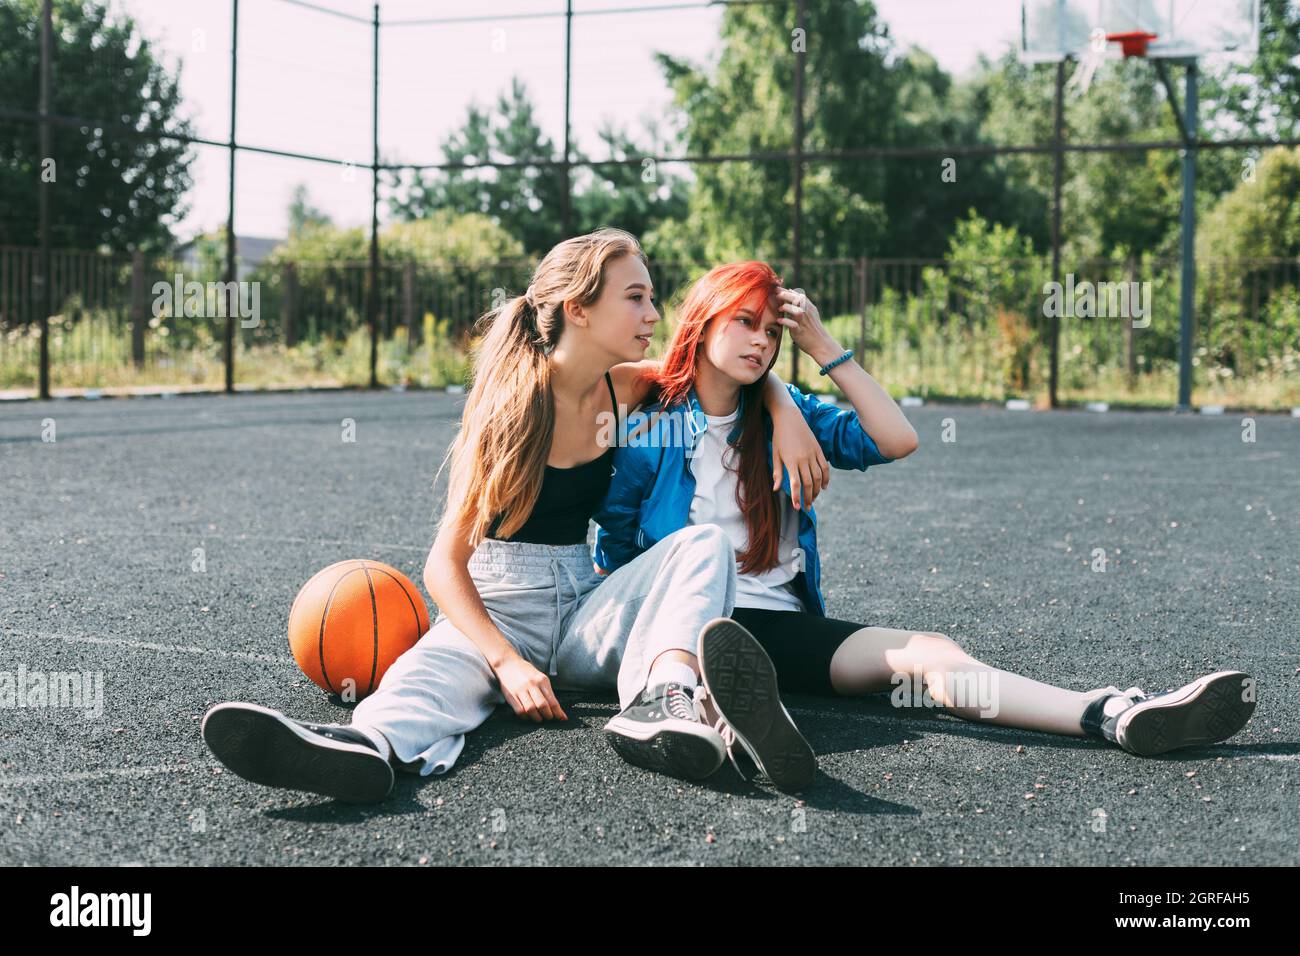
(651, 490)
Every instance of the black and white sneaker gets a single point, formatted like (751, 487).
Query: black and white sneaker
(661, 730)
(264, 746)
(740, 679)
(1206, 711)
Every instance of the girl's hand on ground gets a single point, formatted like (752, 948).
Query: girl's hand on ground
(528, 691)
(794, 447)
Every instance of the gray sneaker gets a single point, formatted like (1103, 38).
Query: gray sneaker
(1206, 711)
(264, 746)
(661, 730)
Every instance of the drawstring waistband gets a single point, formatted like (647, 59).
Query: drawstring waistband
(556, 564)
(525, 556)
(494, 556)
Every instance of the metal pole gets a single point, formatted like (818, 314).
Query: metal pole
(566, 214)
(797, 257)
(231, 271)
(1187, 304)
(372, 292)
(862, 309)
(44, 299)
(1058, 169)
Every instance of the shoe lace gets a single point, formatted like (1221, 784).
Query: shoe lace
(682, 705)
(724, 730)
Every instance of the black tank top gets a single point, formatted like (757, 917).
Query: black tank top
(568, 498)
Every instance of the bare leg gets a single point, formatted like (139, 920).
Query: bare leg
(876, 659)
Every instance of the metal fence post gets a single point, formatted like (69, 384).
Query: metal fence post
(1130, 363)
(139, 317)
(231, 271)
(408, 307)
(1058, 163)
(372, 290)
(797, 238)
(44, 301)
(290, 315)
(1187, 292)
(566, 209)
(862, 310)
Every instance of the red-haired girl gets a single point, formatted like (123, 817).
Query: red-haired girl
(700, 455)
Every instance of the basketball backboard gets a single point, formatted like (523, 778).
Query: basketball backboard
(1052, 30)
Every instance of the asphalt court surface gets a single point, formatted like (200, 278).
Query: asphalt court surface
(990, 538)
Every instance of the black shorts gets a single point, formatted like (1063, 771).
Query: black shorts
(800, 644)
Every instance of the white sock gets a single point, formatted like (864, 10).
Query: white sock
(671, 672)
(378, 739)
(1116, 705)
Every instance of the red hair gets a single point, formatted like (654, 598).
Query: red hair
(718, 294)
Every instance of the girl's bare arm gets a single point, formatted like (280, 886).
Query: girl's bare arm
(448, 581)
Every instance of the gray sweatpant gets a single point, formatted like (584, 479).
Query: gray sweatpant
(586, 631)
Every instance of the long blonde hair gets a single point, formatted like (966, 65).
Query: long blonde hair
(499, 456)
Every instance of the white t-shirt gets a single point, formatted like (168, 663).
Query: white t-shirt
(713, 463)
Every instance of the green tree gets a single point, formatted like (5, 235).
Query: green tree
(1250, 296)
(523, 200)
(746, 104)
(110, 190)
(527, 202)
(860, 91)
(1261, 218)
(634, 197)
(1261, 97)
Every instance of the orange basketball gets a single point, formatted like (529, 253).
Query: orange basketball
(351, 621)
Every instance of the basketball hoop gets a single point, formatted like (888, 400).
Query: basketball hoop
(1084, 30)
(1133, 43)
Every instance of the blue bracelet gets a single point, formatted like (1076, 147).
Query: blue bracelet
(848, 354)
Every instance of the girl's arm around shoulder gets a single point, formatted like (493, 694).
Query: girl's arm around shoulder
(794, 446)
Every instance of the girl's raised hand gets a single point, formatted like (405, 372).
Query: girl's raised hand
(798, 314)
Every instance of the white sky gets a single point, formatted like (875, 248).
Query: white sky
(304, 81)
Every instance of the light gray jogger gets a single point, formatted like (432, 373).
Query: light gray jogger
(588, 632)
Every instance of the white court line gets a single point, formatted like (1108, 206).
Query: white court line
(153, 646)
(80, 776)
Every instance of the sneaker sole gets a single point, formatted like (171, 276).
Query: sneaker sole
(1212, 711)
(741, 679)
(667, 751)
(260, 745)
